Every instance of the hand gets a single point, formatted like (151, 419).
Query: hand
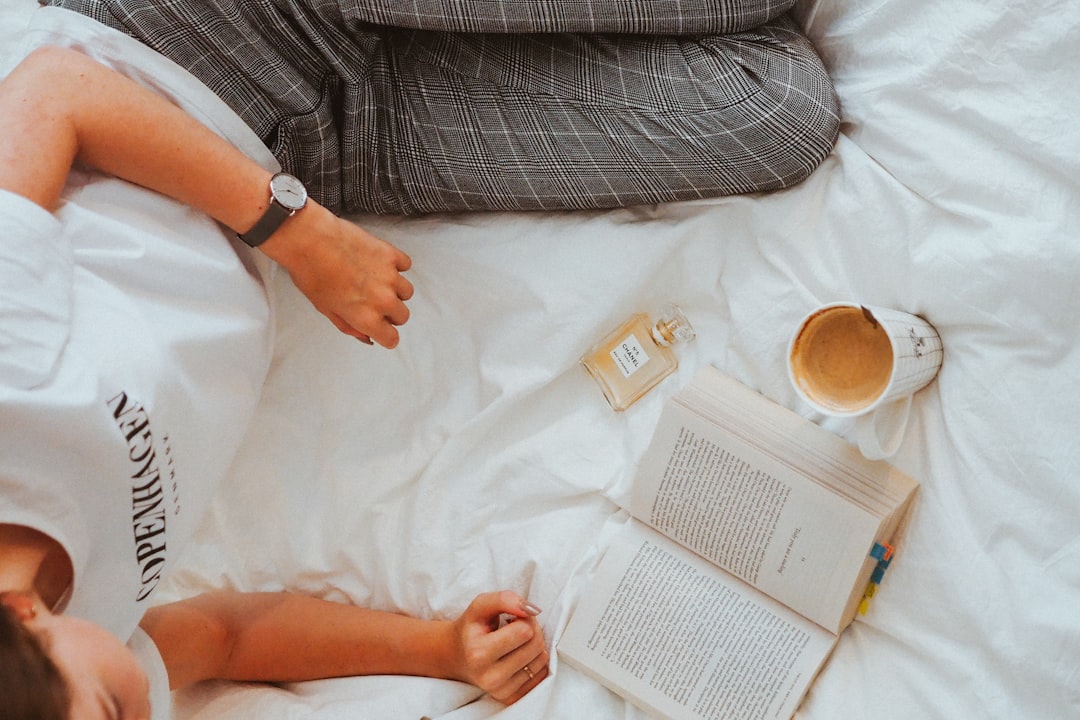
(508, 661)
(349, 275)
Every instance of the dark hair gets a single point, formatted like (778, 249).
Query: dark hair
(31, 685)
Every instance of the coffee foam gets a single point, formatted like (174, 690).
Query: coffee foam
(842, 359)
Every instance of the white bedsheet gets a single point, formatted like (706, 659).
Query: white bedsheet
(479, 455)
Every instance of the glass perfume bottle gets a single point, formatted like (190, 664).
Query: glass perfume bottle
(637, 355)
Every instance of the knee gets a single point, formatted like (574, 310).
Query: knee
(805, 116)
(788, 120)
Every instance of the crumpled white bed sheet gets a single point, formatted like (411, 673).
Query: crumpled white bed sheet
(478, 455)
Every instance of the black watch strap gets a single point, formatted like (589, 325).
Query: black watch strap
(267, 224)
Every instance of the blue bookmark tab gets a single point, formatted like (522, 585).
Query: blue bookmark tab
(882, 552)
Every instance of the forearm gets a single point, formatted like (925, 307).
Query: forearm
(279, 637)
(285, 637)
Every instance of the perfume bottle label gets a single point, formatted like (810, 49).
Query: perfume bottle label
(629, 355)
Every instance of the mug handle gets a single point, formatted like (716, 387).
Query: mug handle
(879, 433)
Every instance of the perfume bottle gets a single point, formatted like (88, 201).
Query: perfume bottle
(637, 355)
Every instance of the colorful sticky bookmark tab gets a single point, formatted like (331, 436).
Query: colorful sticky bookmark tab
(882, 551)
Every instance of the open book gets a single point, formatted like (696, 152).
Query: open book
(756, 536)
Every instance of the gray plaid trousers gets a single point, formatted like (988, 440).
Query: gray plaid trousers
(416, 106)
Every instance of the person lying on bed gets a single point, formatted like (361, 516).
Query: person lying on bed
(417, 106)
(135, 335)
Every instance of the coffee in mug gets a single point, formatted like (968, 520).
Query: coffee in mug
(848, 359)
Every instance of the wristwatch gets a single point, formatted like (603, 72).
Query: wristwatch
(287, 195)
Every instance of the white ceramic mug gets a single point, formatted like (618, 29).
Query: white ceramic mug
(852, 360)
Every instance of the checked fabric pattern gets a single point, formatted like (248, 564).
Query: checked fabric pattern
(418, 106)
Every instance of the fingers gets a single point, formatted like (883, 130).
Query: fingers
(403, 262)
(383, 329)
(346, 328)
(385, 334)
(403, 287)
(376, 314)
(397, 313)
(526, 667)
(510, 660)
(516, 660)
(384, 308)
(491, 605)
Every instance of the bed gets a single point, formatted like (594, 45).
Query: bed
(479, 455)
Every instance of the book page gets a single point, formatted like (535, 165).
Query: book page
(754, 517)
(684, 640)
(808, 448)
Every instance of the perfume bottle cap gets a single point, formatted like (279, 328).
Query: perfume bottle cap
(672, 327)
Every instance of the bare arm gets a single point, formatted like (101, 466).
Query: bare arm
(281, 637)
(59, 106)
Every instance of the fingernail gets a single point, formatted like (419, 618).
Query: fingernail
(366, 340)
(530, 608)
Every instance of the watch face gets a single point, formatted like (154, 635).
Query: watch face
(288, 191)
